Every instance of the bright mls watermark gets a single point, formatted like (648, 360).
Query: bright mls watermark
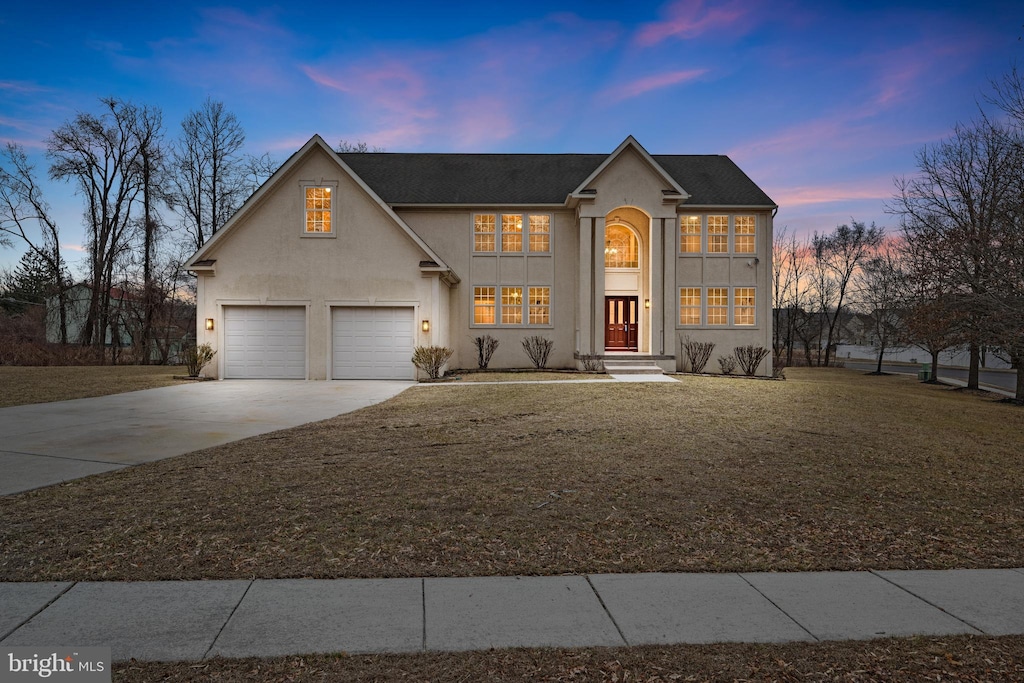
(77, 664)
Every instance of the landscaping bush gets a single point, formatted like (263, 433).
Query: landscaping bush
(592, 363)
(198, 357)
(485, 348)
(698, 353)
(728, 364)
(430, 359)
(538, 349)
(749, 357)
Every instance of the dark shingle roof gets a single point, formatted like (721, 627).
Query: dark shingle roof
(478, 179)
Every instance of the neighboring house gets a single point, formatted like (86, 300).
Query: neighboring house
(341, 263)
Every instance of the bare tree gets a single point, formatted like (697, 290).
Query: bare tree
(100, 155)
(23, 208)
(357, 146)
(880, 288)
(210, 178)
(837, 257)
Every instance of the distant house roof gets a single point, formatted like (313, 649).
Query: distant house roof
(480, 179)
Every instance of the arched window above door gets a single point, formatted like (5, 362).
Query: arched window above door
(620, 248)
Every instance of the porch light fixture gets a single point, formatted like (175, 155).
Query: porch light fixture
(425, 326)
(647, 303)
(209, 324)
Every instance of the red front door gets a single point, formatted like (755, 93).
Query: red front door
(620, 323)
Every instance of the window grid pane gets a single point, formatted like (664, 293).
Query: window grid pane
(718, 305)
(318, 209)
(745, 232)
(620, 248)
(512, 232)
(483, 232)
(743, 306)
(512, 305)
(540, 305)
(540, 233)
(718, 234)
(689, 234)
(689, 306)
(483, 305)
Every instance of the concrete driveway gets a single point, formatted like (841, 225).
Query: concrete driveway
(49, 443)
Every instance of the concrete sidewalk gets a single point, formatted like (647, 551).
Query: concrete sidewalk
(192, 620)
(49, 443)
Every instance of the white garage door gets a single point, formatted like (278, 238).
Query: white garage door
(264, 342)
(373, 343)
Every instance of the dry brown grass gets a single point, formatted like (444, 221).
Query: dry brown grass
(961, 658)
(24, 385)
(829, 470)
(519, 376)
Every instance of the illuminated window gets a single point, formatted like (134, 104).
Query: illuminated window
(512, 232)
(620, 248)
(511, 305)
(689, 306)
(540, 305)
(540, 233)
(744, 237)
(483, 232)
(318, 210)
(743, 306)
(718, 234)
(483, 305)
(689, 234)
(718, 305)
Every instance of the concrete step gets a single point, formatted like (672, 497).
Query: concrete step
(618, 368)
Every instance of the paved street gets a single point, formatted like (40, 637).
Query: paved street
(1005, 380)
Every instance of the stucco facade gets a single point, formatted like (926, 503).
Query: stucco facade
(426, 259)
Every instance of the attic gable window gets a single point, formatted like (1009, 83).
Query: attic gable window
(318, 209)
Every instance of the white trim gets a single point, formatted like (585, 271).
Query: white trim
(630, 141)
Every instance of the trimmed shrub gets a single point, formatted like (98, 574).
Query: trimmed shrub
(592, 363)
(197, 357)
(430, 359)
(727, 364)
(749, 357)
(485, 348)
(538, 349)
(698, 353)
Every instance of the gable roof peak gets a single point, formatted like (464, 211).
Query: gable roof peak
(673, 187)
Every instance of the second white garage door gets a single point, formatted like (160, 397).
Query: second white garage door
(373, 343)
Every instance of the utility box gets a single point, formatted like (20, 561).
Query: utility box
(925, 373)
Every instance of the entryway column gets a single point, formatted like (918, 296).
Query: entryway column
(597, 301)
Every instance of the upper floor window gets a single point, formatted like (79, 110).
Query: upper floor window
(743, 306)
(540, 234)
(318, 210)
(689, 234)
(512, 232)
(483, 232)
(620, 248)
(744, 233)
(718, 234)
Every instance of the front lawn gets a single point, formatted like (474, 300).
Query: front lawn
(828, 470)
(21, 385)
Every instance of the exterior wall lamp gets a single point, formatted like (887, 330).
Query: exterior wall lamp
(647, 303)
(209, 324)
(425, 326)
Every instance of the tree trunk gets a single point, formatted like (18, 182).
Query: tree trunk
(935, 365)
(972, 371)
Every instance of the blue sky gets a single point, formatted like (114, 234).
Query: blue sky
(821, 103)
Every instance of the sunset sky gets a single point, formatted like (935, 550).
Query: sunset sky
(821, 103)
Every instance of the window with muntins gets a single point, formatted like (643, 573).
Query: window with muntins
(620, 248)
(318, 210)
(689, 234)
(744, 235)
(743, 306)
(540, 305)
(511, 305)
(718, 234)
(540, 234)
(483, 305)
(689, 306)
(512, 232)
(718, 305)
(483, 232)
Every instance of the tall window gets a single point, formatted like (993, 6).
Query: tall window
(540, 234)
(689, 234)
(483, 305)
(620, 248)
(743, 306)
(511, 305)
(718, 305)
(540, 305)
(512, 232)
(689, 306)
(718, 234)
(318, 210)
(483, 232)
(745, 232)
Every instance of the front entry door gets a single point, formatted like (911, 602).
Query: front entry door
(620, 323)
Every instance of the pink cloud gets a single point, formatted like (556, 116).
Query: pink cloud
(870, 189)
(646, 84)
(692, 18)
(21, 87)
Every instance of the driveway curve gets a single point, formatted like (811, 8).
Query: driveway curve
(49, 443)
